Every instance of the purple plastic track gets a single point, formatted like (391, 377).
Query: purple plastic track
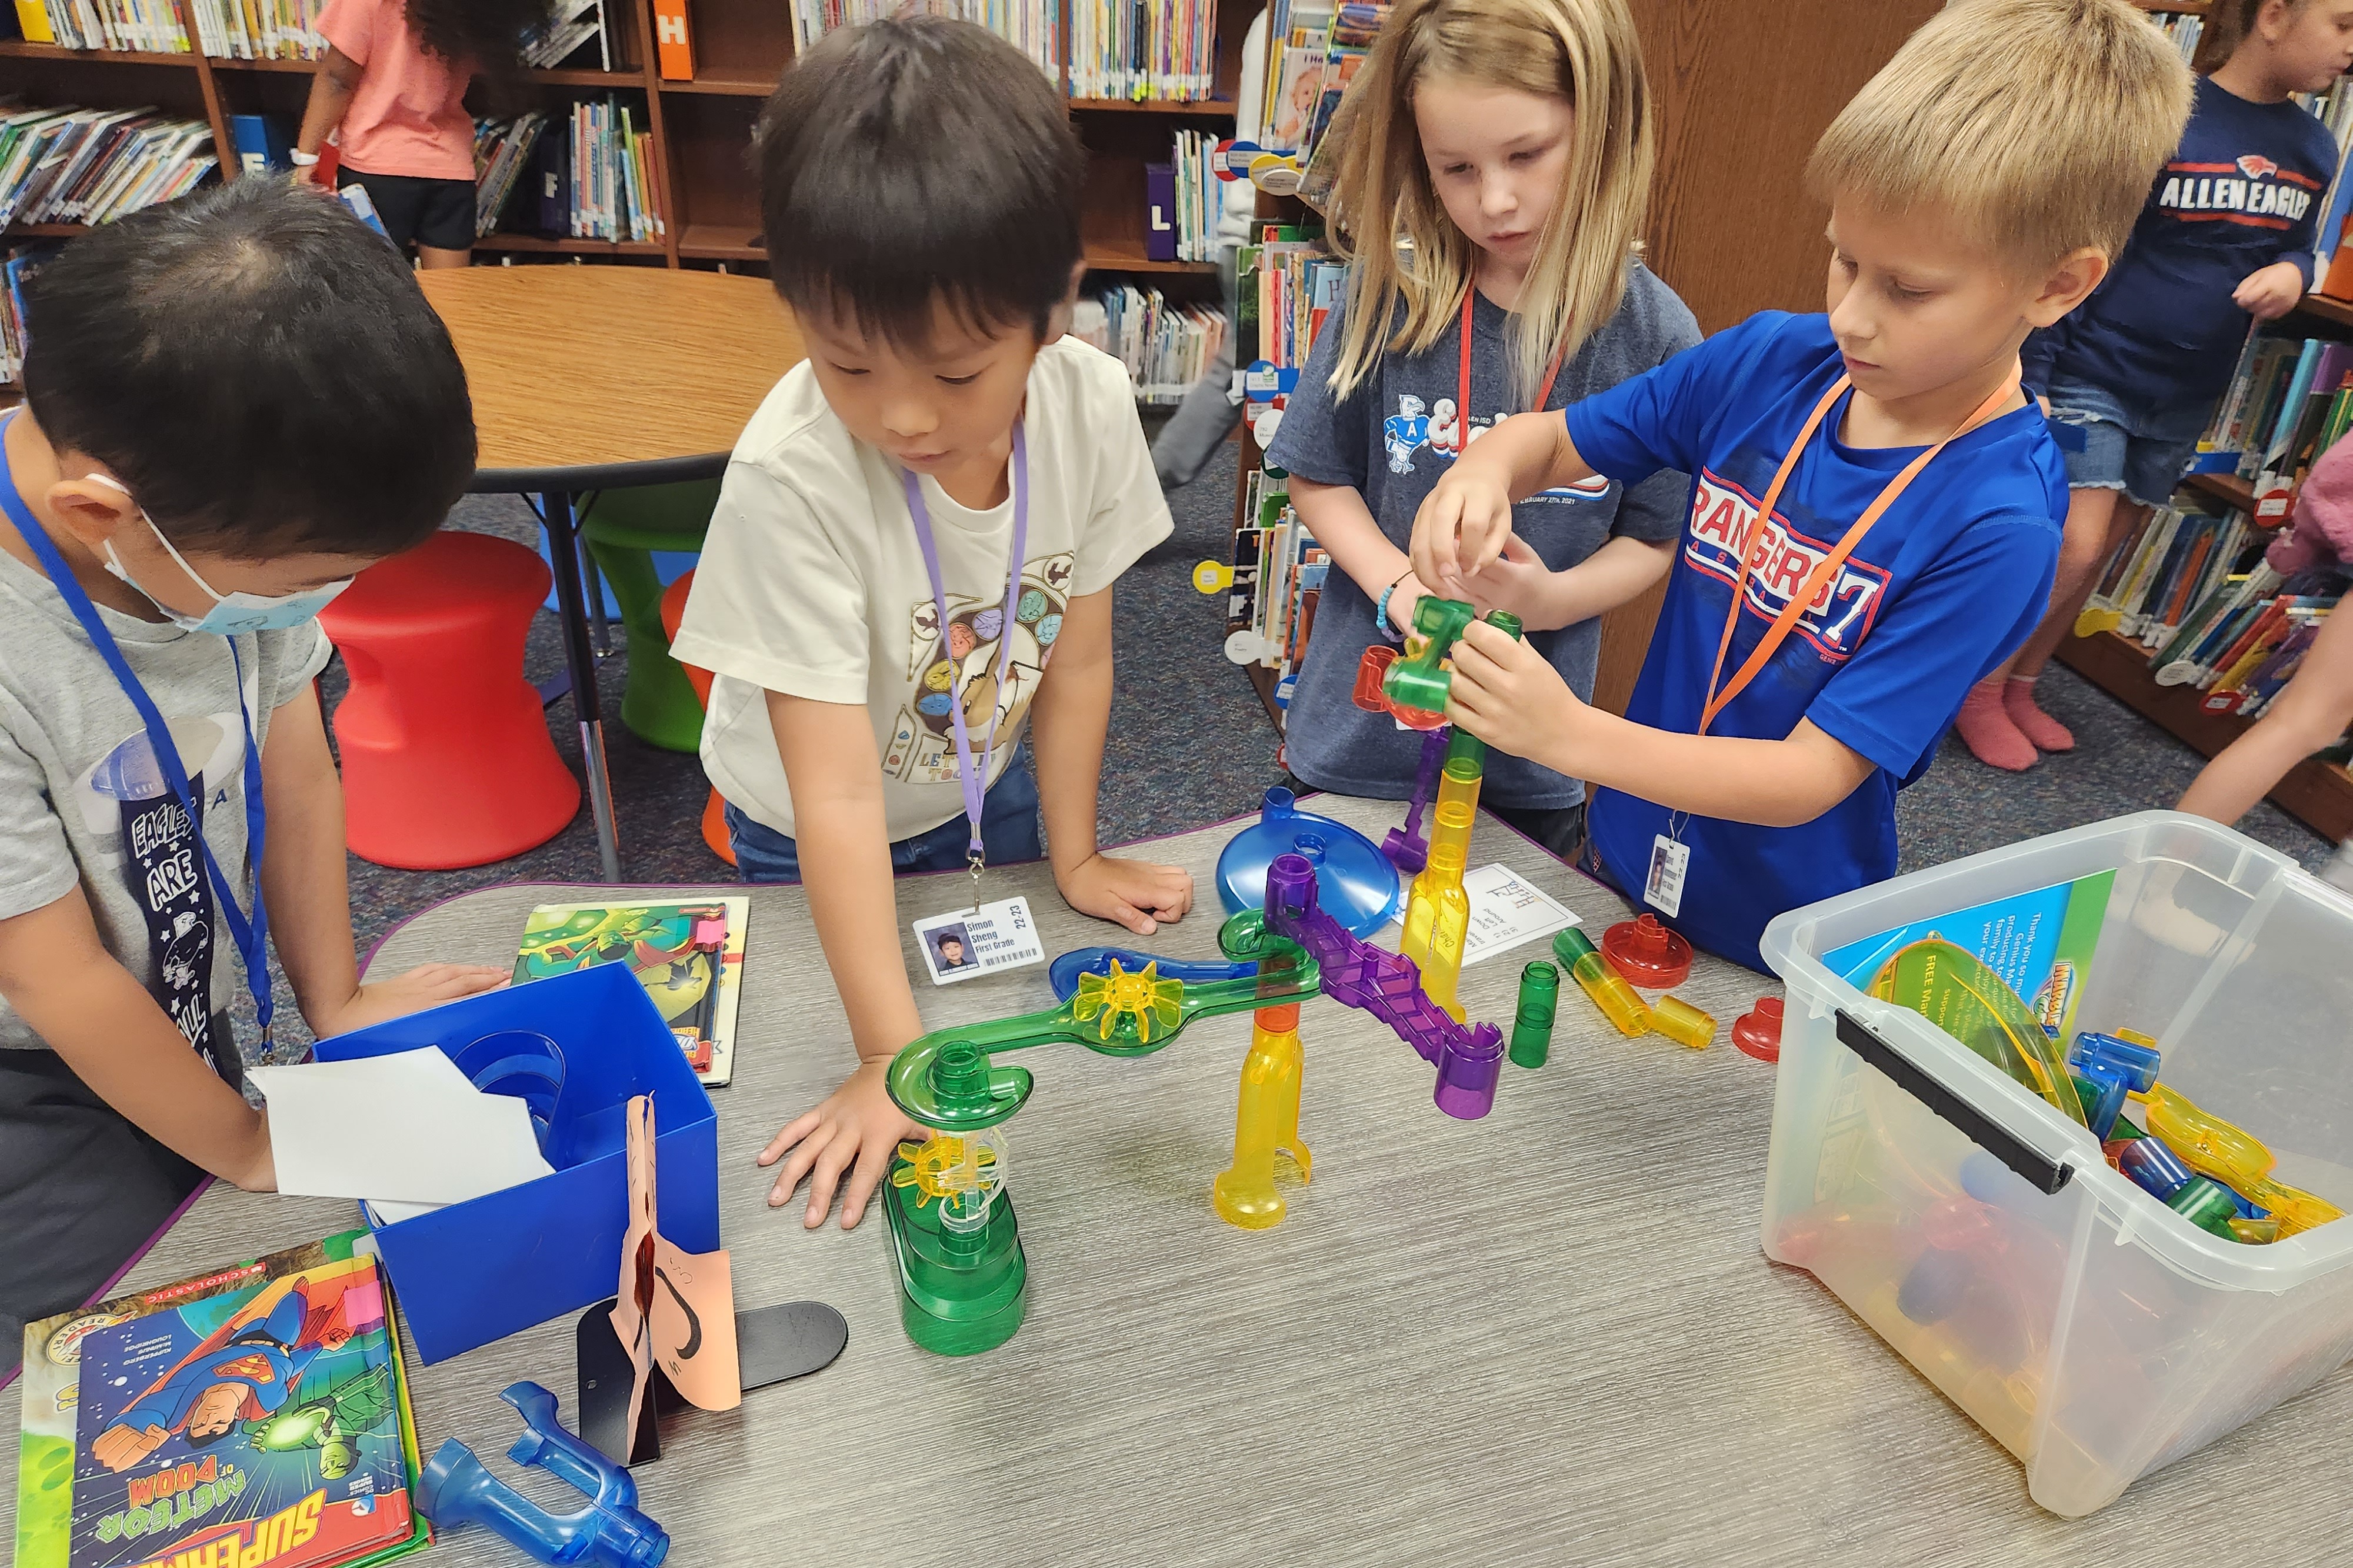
(1356, 973)
(1407, 847)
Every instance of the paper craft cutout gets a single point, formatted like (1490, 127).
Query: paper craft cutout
(675, 1310)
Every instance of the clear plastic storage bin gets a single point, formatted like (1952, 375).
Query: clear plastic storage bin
(2093, 1332)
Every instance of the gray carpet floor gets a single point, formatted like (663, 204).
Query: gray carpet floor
(1189, 744)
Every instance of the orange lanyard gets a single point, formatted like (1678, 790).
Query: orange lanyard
(1827, 568)
(1463, 381)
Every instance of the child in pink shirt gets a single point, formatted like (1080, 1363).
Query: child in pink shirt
(2313, 709)
(393, 88)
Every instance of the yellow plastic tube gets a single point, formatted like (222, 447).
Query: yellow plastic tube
(1593, 973)
(1683, 1022)
(1438, 913)
(1266, 1123)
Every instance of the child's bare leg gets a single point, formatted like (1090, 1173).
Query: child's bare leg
(2309, 713)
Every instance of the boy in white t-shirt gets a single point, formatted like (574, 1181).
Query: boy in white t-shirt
(919, 185)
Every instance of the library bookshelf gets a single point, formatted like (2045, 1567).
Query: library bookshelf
(2318, 793)
(701, 127)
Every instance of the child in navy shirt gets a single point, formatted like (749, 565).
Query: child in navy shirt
(2225, 237)
(1805, 669)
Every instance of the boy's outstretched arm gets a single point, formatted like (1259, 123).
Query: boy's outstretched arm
(1510, 697)
(305, 883)
(55, 972)
(1464, 520)
(843, 837)
(1067, 720)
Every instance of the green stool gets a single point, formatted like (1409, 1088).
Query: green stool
(623, 531)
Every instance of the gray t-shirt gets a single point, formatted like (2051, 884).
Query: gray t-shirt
(81, 800)
(1390, 441)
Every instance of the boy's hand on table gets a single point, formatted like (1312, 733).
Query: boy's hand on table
(2269, 293)
(426, 985)
(859, 1123)
(1511, 697)
(1137, 894)
(1460, 528)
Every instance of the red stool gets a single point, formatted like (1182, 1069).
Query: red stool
(673, 611)
(447, 758)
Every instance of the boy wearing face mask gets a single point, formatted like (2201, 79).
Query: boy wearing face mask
(233, 403)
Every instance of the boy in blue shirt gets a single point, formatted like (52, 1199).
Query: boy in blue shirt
(2226, 237)
(1805, 669)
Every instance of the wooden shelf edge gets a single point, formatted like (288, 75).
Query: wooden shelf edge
(24, 48)
(1119, 261)
(2229, 489)
(1199, 108)
(724, 86)
(533, 243)
(284, 68)
(2319, 794)
(1261, 681)
(2174, 8)
(2320, 307)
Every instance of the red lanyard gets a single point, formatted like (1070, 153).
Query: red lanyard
(1462, 382)
(1827, 568)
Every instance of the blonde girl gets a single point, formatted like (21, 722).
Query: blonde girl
(1492, 171)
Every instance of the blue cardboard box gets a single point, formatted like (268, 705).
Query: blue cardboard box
(577, 1047)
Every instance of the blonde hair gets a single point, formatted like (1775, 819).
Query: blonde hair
(1583, 50)
(2037, 124)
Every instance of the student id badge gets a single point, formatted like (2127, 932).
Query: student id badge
(987, 939)
(1663, 887)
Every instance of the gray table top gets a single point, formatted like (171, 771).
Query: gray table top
(1547, 1336)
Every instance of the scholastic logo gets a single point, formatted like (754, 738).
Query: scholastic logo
(1841, 614)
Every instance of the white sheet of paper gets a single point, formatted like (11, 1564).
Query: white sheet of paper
(408, 1128)
(1506, 911)
(382, 1212)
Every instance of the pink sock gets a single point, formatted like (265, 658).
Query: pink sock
(1988, 730)
(2047, 733)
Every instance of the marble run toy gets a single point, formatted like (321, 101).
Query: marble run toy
(2213, 1148)
(455, 1490)
(1607, 988)
(962, 1276)
(1539, 1003)
(1360, 877)
(1404, 846)
(1421, 678)
(1438, 911)
(1680, 1022)
(1645, 952)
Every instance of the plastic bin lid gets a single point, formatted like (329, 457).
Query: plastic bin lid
(1354, 882)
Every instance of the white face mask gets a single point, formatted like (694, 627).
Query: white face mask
(232, 614)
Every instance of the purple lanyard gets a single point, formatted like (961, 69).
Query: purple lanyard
(970, 776)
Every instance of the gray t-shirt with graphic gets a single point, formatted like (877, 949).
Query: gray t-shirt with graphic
(81, 800)
(1389, 441)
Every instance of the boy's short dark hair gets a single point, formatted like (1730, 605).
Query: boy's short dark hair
(914, 160)
(259, 368)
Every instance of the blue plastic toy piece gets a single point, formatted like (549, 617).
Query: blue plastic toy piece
(2111, 1067)
(456, 1491)
(1354, 882)
(1064, 972)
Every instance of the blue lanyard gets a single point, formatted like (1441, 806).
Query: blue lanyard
(252, 938)
(974, 796)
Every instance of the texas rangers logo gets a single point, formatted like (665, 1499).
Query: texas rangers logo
(1839, 614)
(2255, 166)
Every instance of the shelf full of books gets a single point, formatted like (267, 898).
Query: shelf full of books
(226, 29)
(2289, 400)
(590, 176)
(2191, 627)
(1033, 27)
(1285, 284)
(1165, 346)
(66, 166)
